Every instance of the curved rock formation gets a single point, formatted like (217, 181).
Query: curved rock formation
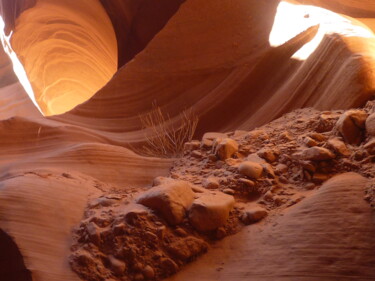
(68, 50)
(357, 9)
(233, 68)
(136, 23)
(97, 65)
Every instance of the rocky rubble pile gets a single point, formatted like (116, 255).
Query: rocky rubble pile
(223, 182)
(274, 166)
(150, 237)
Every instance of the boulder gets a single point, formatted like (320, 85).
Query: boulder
(225, 148)
(253, 215)
(351, 125)
(250, 169)
(339, 147)
(317, 154)
(370, 125)
(171, 199)
(210, 211)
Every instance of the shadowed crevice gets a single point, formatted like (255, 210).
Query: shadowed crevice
(12, 266)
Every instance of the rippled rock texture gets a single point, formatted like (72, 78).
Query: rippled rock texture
(85, 71)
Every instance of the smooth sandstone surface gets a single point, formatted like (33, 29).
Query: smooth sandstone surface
(214, 59)
(314, 240)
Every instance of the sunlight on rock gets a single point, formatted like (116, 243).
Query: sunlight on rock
(17, 65)
(292, 19)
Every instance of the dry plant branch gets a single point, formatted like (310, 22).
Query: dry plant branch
(165, 139)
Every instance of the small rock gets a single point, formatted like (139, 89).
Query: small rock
(133, 212)
(283, 179)
(159, 180)
(279, 200)
(281, 169)
(307, 175)
(247, 182)
(221, 233)
(286, 136)
(308, 166)
(229, 191)
(239, 133)
(207, 144)
(225, 148)
(180, 232)
(360, 155)
(320, 178)
(168, 265)
(171, 199)
(102, 202)
(268, 170)
(137, 266)
(268, 154)
(310, 142)
(310, 186)
(192, 145)
(93, 233)
(351, 125)
(219, 164)
(139, 277)
(251, 169)
(268, 196)
(253, 215)
(327, 122)
(339, 147)
(318, 137)
(148, 272)
(196, 154)
(317, 154)
(257, 134)
(370, 125)
(150, 236)
(213, 136)
(211, 183)
(210, 211)
(370, 146)
(212, 157)
(119, 229)
(118, 267)
(187, 248)
(160, 232)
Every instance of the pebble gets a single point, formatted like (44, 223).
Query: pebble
(229, 191)
(148, 272)
(251, 169)
(317, 154)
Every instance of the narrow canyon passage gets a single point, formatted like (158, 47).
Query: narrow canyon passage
(187, 140)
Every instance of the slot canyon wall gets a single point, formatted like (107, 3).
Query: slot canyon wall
(94, 66)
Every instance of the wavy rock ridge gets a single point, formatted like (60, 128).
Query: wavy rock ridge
(95, 66)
